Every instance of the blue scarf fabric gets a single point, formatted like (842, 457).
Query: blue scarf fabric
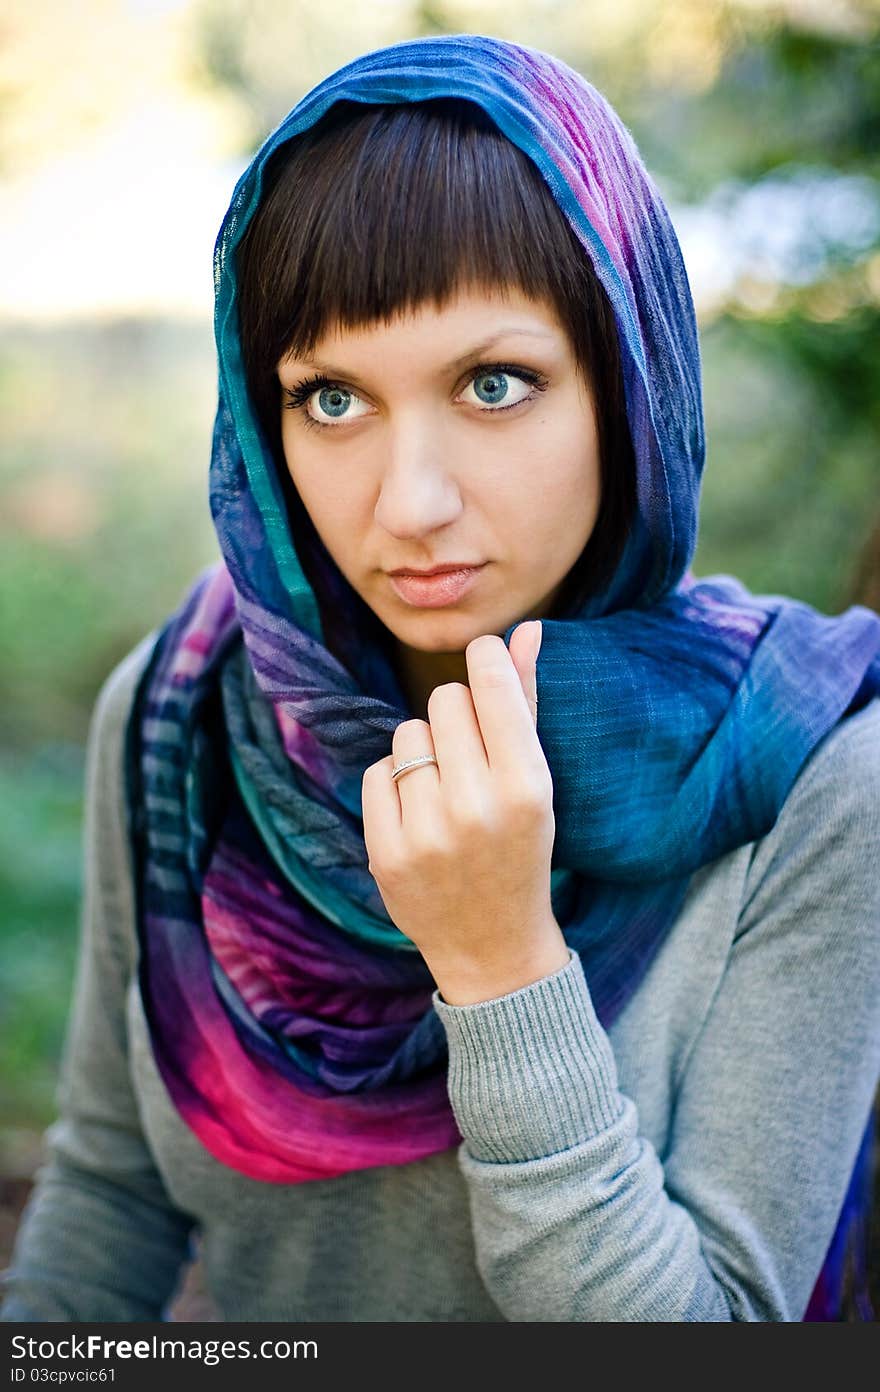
(291, 1020)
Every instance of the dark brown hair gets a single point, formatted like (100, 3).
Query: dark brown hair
(375, 210)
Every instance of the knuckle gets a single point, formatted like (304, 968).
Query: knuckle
(412, 726)
(410, 733)
(473, 819)
(373, 771)
(531, 801)
(428, 850)
(386, 868)
(421, 854)
(494, 675)
(448, 693)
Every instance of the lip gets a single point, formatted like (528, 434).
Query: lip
(437, 569)
(437, 588)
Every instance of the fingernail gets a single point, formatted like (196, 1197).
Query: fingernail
(540, 634)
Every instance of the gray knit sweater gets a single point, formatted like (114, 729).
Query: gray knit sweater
(687, 1164)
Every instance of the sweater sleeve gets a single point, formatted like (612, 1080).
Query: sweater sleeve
(99, 1239)
(574, 1215)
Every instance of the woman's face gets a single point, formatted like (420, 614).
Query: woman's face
(457, 436)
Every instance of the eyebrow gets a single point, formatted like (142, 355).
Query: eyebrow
(455, 365)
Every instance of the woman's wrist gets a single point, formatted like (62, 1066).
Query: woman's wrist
(468, 982)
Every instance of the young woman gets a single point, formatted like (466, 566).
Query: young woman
(398, 925)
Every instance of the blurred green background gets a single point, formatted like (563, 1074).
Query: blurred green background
(124, 128)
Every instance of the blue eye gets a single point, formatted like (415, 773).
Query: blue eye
(330, 399)
(334, 401)
(491, 387)
(491, 383)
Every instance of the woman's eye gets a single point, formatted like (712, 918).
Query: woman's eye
(499, 389)
(334, 403)
(324, 404)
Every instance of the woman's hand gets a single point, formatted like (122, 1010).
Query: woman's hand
(461, 850)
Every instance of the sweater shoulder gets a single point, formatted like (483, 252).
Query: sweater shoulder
(826, 838)
(108, 910)
(847, 759)
(838, 787)
(116, 694)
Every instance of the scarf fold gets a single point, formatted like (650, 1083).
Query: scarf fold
(290, 1019)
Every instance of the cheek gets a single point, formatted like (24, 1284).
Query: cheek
(340, 513)
(554, 494)
(316, 484)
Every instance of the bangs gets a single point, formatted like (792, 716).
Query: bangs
(374, 211)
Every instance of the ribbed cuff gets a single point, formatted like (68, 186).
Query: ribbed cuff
(533, 1072)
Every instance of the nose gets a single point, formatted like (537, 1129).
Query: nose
(418, 492)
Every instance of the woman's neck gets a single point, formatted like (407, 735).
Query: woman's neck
(419, 672)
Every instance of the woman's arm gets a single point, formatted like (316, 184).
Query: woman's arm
(99, 1239)
(574, 1216)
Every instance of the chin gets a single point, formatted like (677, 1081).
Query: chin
(445, 630)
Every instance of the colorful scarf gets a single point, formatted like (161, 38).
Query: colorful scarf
(291, 1020)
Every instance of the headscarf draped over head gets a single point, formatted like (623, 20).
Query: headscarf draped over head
(291, 1021)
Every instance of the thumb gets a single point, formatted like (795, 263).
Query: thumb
(525, 644)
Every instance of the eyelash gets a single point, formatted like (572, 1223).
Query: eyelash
(297, 397)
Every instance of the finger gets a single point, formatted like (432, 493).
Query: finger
(380, 809)
(418, 790)
(525, 644)
(506, 722)
(461, 753)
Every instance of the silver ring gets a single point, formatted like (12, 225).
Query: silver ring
(411, 764)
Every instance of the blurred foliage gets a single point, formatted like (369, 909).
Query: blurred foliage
(108, 425)
(105, 511)
(780, 94)
(791, 484)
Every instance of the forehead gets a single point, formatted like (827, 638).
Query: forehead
(471, 320)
